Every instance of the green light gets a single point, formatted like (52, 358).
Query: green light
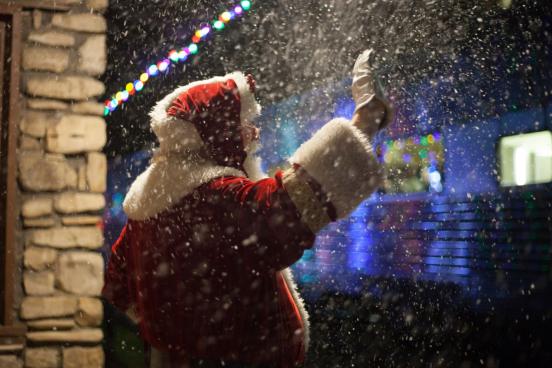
(193, 48)
(246, 5)
(423, 141)
(218, 25)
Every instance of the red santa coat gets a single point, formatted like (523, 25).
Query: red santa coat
(203, 258)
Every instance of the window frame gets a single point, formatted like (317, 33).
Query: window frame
(499, 168)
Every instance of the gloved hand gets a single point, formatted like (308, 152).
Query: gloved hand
(366, 87)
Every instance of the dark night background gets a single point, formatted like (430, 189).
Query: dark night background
(466, 59)
(473, 70)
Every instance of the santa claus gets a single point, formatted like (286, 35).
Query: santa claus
(202, 263)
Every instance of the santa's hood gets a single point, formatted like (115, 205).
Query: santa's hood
(187, 157)
(179, 132)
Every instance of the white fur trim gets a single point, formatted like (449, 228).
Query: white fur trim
(167, 181)
(176, 135)
(252, 164)
(340, 158)
(292, 286)
(250, 109)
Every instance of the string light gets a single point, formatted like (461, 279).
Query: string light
(384, 149)
(175, 56)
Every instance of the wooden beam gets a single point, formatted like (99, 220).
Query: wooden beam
(13, 331)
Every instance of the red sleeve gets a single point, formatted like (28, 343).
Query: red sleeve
(270, 233)
(115, 288)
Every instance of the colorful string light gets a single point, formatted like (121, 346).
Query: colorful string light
(422, 142)
(175, 56)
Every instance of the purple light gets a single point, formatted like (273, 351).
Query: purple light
(238, 10)
(162, 66)
(407, 158)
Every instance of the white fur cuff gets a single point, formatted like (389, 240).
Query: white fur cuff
(340, 158)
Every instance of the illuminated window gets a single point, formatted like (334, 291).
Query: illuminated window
(526, 159)
(413, 164)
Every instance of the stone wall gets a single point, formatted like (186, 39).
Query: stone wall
(62, 178)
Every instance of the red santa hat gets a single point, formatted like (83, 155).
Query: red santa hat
(207, 115)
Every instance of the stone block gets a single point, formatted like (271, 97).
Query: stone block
(81, 22)
(34, 307)
(89, 335)
(27, 143)
(53, 38)
(89, 312)
(46, 104)
(35, 123)
(78, 357)
(74, 202)
(81, 183)
(38, 172)
(37, 207)
(96, 172)
(80, 273)
(76, 133)
(38, 283)
(42, 358)
(63, 87)
(97, 5)
(81, 220)
(67, 237)
(37, 19)
(38, 258)
(45, 59)
(88, 108)
(52, 324)
(10, 361)
(39, 222)
(93, 55)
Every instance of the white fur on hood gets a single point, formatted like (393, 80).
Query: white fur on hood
(166, 181)
(177, 135)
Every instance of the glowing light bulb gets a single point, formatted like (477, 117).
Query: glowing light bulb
(129, 87)
(196, 39)
(125, 95)
(198, 33)
(173, 55)
(246, 5)
(238, 10)
(152, 70)
(182, 55)
(144, 77)
(114, 103)
(205, 31)
(218, 25)
(193, 48)
(225, 17)
(119, 96)
(138, 85)
(163, 65)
